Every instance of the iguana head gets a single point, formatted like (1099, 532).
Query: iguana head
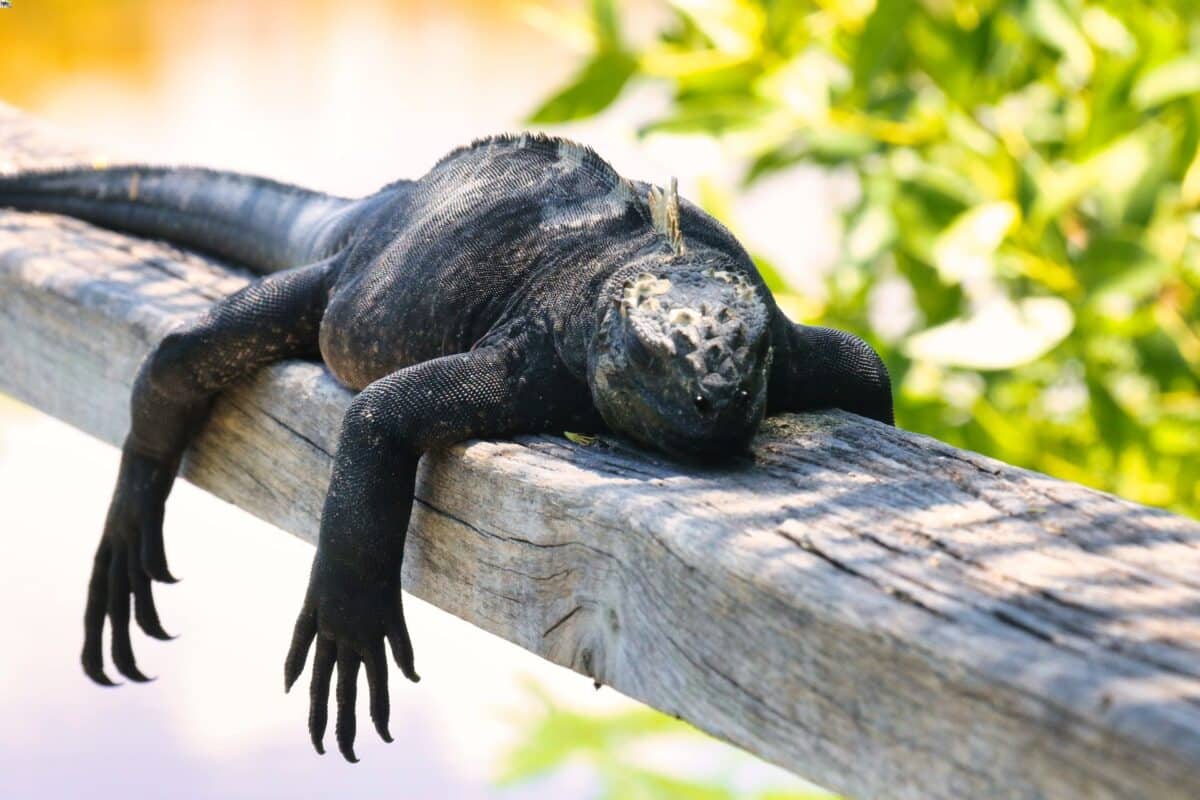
(681, 354)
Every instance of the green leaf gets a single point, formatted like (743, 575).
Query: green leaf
(965, 250)
(1001, 335)
(881, 43)
(1177, 78)
(784, 794)
(631, 783)
(1050, 21)
(872, 231)
(1112, 174)
(706, 116)
(827, 146)
(732, 26)
(607, 26)
(558, 735)
(591, 91)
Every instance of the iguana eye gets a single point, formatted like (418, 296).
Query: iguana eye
(702, 403)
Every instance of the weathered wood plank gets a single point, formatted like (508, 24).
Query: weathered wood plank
(873, 609)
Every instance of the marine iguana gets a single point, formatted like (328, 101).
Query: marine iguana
(520, 286)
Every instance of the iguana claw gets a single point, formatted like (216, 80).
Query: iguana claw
(349, 623)
(132, 530)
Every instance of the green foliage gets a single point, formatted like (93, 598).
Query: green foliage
(558, 737)
(1025, 247)
(601, 78)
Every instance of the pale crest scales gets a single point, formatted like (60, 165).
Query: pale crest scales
(664, 211)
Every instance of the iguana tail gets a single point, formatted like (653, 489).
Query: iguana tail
(255, 222)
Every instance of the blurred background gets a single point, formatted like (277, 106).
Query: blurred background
(1003, 196)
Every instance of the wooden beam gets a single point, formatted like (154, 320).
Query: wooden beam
(875, 610)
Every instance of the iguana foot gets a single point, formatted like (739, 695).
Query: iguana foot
(129, 556)
(350, 617)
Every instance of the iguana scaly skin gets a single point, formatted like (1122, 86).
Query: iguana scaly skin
(521, 285)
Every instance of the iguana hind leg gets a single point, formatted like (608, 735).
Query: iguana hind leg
(275, 318)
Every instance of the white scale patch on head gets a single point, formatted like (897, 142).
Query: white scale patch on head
(684, 316)
(742, 287)
(642, 291)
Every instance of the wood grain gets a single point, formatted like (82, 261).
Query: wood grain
(877, 611)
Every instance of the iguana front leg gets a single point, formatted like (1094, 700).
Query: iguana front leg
(276, 318)
(816, 368)
(353, 602)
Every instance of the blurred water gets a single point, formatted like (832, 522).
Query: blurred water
(342, 96)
